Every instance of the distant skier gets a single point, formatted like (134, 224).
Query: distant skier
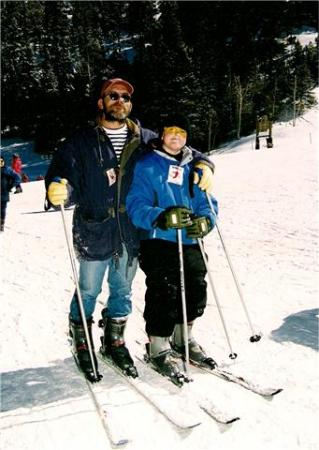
(16, 165)
(159, 201)
(9, 179)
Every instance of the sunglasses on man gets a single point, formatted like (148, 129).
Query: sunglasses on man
(116, 96)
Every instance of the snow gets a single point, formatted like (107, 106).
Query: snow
(269, 221)
(306, 38)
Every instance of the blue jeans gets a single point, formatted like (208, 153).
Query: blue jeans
(120, 277)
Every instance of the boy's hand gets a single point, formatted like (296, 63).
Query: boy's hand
(199, 228)
(174, 217)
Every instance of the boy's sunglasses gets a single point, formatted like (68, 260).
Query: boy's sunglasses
(175, 130)
(115, 96)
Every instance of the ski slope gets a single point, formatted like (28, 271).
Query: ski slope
(269, 220)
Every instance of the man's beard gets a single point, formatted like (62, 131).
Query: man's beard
(112, 116)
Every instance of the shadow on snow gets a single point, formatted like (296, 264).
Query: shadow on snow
(299, 328)
(36, 386)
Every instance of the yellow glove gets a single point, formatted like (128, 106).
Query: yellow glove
(205, 183)
(57, 192)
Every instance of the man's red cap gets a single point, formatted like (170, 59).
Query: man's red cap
(109, 84)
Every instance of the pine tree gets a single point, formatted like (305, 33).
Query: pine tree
(57, 49)
(20, 34)
(206, 60)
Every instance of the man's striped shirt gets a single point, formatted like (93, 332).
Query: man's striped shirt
(118, 138)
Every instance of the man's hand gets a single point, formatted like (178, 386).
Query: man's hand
(199, 228)
(58, 192)
(206, 181)
(174, 217)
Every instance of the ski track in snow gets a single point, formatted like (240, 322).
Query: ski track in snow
(269, 220)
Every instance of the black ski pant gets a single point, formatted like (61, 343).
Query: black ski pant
(3, 212)
(159, 260)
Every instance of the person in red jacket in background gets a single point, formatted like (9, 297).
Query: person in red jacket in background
(16, 165)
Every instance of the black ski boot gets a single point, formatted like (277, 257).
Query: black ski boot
(197, 354)
(81, 349)
(162, 359)
(18, 190)
(113, 345)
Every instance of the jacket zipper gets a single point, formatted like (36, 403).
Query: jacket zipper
(119, 181)
(116, 254)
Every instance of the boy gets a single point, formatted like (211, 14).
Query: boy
(161, 199)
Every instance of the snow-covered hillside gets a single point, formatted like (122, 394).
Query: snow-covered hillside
(269, 219)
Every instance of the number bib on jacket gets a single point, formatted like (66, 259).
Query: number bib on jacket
(175, 175)
(111, 176)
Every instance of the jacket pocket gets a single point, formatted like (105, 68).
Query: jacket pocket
(94, 240)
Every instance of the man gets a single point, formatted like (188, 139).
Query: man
(96, 167)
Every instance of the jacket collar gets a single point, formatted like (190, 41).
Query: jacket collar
(132, 127)
(187, 155)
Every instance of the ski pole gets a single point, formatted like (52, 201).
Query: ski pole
(254, 337)
(183, 295)
(232, 355)
(80, 302)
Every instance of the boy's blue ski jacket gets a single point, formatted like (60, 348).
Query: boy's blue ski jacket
(155, 188)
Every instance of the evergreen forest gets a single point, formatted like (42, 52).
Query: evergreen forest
(220, 63)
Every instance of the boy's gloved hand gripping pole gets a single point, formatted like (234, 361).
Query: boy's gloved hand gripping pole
(254, 337)
(97, 376)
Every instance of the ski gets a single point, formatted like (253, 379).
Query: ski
(267, 392)
(205, 404)
(113, 433)
(174, 407)
(215, 413)
(263, 391)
